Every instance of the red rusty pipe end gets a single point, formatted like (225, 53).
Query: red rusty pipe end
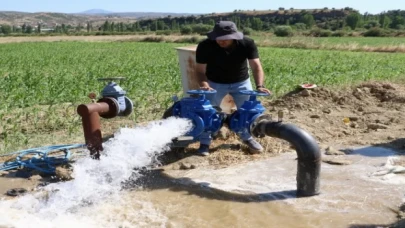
(90, 114)
(87, 109)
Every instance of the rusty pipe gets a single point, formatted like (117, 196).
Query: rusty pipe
(90, 114)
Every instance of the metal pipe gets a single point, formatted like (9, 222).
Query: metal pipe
(90, 114)
(309, 155)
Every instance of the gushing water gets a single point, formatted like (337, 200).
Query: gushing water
(93, 198)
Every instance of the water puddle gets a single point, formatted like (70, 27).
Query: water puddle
(364, 192)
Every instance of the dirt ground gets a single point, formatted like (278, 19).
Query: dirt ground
(367, 114)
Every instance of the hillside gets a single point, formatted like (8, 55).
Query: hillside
(101, 21)
(95, 17)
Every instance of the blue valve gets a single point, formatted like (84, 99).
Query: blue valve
(206, 118)
(200, 111)
(117, 94)
(242, 118)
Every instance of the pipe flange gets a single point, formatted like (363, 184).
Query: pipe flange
(113, 107)
(261, 117)
(129, 107)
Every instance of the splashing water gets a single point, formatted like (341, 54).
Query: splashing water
(94, 198)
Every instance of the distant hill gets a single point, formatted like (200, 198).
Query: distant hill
(95, 16)
(138, 15)
(95, 12)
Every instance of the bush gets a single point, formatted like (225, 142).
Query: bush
(153, 39)
(339, 33)
(185, 30)
(325, 33)
(283, 31)
(400, 27)
(164, 32)
(315, 32)
(300, 26)
(374, 32)
(372, 24)
(201, 29)
(247, 31)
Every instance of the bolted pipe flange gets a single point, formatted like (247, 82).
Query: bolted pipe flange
(113, 107)
(129, 107)
(261, 117)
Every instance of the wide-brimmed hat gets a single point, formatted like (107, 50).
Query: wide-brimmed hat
(225, 30)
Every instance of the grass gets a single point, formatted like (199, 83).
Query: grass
(42, 83)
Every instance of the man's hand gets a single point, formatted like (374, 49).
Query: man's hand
(264, 90)
(205, 86)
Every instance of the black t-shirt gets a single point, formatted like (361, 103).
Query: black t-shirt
(226, 66)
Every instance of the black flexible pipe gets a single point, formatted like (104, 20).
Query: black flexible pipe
(309, 155)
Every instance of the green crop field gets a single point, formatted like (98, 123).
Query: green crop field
(42, 83)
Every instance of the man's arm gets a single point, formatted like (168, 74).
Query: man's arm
(202, 78)
(258, 74)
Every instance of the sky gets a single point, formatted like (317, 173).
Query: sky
(196, 7)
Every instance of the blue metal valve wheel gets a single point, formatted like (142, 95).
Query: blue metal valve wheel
(201, 91)
(252, 92)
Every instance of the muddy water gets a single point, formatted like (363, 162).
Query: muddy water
(256, 194)
(261, 194)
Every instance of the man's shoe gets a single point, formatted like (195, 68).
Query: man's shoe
(254, 146)
(203, 150)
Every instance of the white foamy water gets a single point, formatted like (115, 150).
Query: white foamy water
(93, 198)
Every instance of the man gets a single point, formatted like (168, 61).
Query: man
(222, 66)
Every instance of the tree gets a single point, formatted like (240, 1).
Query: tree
(161, 25)
(5, 29)
(78, 27)
(397, 22)
(353, 20)
(184, 30)
(136, 27)
(28, 29)
(200, 28)
(106, 26)
(308, 20)
(112, 27)
(212, 22)
(257, 24)
(175, 25)
(89, 27)
(385, 21)
(39, 28)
